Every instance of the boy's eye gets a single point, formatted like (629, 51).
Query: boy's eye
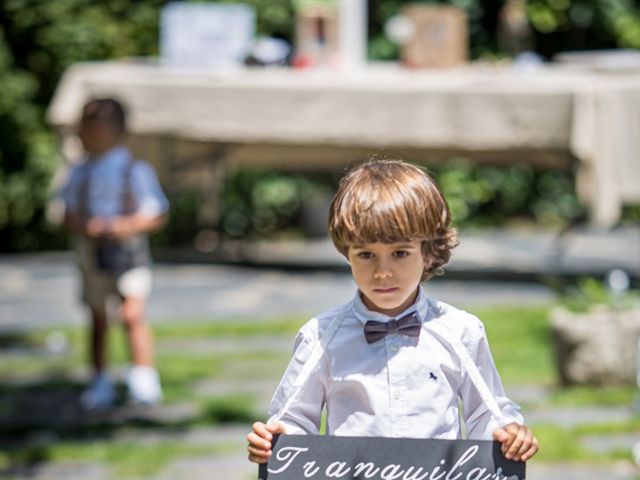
(365, 255)
(400, 253)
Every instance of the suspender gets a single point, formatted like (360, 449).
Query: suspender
(128, 205)
(442, 330)
(316, 354)
(128, 200)
(468, 365)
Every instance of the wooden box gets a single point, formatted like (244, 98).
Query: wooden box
(440, 37)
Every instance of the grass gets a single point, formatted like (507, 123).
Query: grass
(519, 339)
(125, 458)
(520, 343)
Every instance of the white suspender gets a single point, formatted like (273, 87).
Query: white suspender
(316, 354)
(471, 368)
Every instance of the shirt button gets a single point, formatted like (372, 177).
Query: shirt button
(397, 396)
(394, 348)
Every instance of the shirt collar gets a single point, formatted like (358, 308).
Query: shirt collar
(363, 314)
(117, 154)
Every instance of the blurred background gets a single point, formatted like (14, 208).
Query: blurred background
(526, 112)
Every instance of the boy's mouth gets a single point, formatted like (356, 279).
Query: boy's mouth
(385, 290)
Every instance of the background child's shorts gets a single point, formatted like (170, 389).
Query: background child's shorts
(98, 286)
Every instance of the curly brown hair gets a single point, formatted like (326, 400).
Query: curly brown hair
(392, 201)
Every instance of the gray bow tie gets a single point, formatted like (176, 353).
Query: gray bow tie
(409, 325)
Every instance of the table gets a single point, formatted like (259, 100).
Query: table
(550, 116)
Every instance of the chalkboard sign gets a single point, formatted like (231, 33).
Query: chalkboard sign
(298, 457)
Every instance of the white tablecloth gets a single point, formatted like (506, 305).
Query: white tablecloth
(593, 115)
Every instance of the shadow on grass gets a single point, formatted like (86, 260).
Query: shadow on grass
(39, 416)
(236, 409)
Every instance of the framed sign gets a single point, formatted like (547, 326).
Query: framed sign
(318, 457)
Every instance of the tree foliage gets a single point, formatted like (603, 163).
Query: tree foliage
(39, 39)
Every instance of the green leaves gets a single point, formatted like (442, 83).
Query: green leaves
(486, 195)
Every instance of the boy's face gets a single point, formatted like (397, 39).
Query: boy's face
(97, 136)
(387, 274)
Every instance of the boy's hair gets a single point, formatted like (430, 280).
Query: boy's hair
(106, 110)
(391, 201)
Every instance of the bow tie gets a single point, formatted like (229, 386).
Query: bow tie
(409, 325)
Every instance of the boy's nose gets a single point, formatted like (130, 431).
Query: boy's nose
(382, 271)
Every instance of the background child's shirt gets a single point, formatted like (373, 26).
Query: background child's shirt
(399, 386)
(106, 178)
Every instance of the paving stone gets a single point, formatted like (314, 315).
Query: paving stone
(228, 344)
(260, 390)
(232, 436)
(606, 443)
(228, 467)
(570, 471)
(528, 394)
(569, 416)
(60, 470)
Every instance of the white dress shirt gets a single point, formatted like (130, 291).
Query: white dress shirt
(107, 181)
(399, 386)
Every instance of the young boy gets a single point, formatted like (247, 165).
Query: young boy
(388, 371)
(112, 202)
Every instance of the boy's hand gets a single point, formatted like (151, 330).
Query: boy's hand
(518, 442)
(259, 439)
(96, 227)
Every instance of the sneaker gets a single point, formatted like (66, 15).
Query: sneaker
(99, 395)
(144, 385)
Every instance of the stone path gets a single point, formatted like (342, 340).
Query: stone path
(39, 291)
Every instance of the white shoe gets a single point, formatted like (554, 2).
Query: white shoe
(99, 395)
(144, 385)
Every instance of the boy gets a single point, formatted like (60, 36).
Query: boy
(387, 371)
(111, 203)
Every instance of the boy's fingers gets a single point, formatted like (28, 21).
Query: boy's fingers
(276, 428)
(532, 450)
(257, 441)
(258, 452)
(500, 435)
(262, 430)
(514, 449)
(257, 459)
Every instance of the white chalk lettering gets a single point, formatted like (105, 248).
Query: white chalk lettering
(302, 464)
(309, 471)
(477, 474)
(371, 469)
(287, 455)
(337, 470)
(409, 475)
(436, 470)
(390, 472)
(466, 456)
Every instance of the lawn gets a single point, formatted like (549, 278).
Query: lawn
(225, 372)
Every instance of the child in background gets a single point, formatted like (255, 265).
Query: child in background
(112, 202)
